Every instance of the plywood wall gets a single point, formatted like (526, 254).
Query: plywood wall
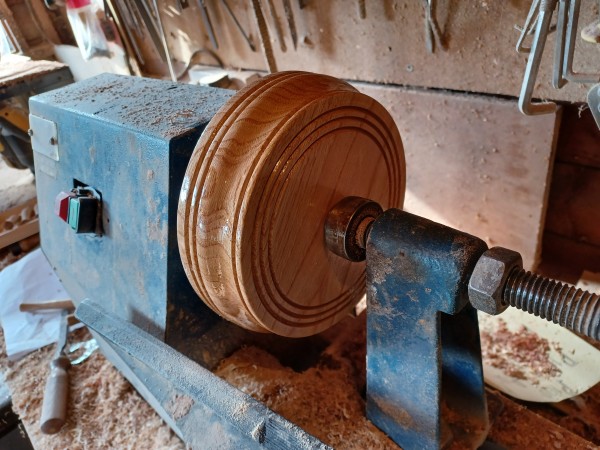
(475, 163)
(387, 46)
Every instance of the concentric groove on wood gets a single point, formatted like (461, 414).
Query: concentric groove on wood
(334, 303)
(199, 164)
(263, 177)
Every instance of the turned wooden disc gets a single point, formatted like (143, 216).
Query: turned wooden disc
(264, 175)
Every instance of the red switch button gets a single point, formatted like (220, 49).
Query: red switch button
(61, 205)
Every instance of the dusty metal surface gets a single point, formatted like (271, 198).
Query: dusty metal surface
(204, 410)
(130, 139)
(424, 356)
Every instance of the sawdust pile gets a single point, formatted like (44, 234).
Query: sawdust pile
(512, 351)
(105, 412)
(324, 400)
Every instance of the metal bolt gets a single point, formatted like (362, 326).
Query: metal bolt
(488, 279)
(498, 281)
(561, 303)
(30, 132)
(52, 140)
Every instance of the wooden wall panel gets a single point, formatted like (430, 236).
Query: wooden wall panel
(574, 204)
(475, 163)
(388, 46)
(579, 139)
(565, 259)
(572, 234)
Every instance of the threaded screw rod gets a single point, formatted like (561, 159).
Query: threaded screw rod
(561, 303)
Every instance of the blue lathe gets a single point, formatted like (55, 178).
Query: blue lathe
(165, 208)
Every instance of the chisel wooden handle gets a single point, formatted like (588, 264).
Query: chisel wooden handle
(54, 408)
(51, 304)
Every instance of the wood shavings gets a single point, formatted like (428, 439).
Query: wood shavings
(518, 353)
(324, 400)
(104, 412)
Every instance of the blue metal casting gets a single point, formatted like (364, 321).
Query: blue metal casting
(423, 351)
(130, 139)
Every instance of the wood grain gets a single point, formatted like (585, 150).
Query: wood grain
(579, 138)
(18, 222)
(32, 305)
(566, 259)
(264, 175)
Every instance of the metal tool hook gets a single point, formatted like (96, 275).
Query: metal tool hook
(546, 9)
(571, 36)
(528, 27)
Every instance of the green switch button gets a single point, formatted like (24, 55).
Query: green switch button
(74, 213)
(83, 214)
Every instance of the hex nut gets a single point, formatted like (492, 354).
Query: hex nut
(489, 277)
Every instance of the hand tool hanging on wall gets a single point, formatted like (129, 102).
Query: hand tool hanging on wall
(147, 17)
(238, 25)
(276, 25)
(207, 23)
(539, 21)
(265, 41)
(129, 25)
(528, 28)
(113, 12)
(289, 15)
(571, 35)
(362, 9)
(542, 10)
(433, 36)
(163, 37)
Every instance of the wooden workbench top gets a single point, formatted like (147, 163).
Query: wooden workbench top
(15, 69)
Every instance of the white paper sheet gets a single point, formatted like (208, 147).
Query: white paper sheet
(29, 279)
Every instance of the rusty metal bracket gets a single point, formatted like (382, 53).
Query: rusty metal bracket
(424, 356)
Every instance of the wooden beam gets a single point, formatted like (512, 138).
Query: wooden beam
(573, 209)
(19, 233)
(579, 139)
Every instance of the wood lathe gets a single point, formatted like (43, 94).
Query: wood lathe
(166, 208)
